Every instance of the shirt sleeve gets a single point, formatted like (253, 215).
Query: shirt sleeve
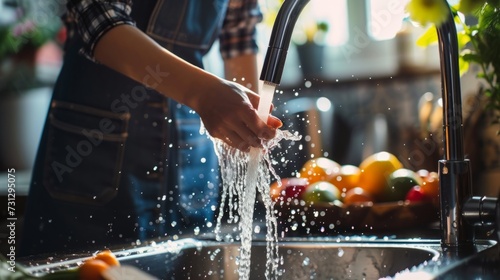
(93, 18)
(238, 35)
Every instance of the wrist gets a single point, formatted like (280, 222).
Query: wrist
(199, 88)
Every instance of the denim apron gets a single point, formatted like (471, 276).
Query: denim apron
(118, 162)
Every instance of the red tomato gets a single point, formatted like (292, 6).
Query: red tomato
(290, 188)
(416, 194)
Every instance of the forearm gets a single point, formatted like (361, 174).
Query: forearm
(226, 108)
(129, 51)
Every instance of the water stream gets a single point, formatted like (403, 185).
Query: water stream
(243, 174)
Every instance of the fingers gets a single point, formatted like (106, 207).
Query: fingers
(242, 137)
(274, 122)
(260, 129)
(235, 141)
(247, 135)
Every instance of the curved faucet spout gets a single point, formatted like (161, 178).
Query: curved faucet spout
(281, 35)
(452, 98)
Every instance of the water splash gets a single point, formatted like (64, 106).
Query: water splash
(235, 166)
(243, 174)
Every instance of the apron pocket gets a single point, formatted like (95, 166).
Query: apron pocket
(85, 151)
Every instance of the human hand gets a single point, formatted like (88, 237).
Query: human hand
(228, 111)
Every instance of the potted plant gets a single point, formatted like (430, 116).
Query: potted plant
(22, 33)
(25, 87)
(309, 40)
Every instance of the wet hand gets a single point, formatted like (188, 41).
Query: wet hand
(228, 111)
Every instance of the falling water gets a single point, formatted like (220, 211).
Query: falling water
(243, 174)
(249, 192)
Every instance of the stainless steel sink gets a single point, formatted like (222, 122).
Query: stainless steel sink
(300, 260)
(325, 258)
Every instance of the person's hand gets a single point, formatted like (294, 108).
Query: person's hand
(228, 111)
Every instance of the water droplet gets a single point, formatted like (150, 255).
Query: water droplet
(340, 252)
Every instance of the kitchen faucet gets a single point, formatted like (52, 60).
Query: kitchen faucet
(460, 211)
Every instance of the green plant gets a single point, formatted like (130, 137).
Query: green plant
(25, 31)
(478, 39)
(485, 40)
(25, 26)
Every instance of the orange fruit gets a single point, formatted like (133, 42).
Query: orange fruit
(108, 257)
(275, 190)
(375, 170)
(92, 269)
(357, 195)
(430, 187)
(319, 169)
(321, 191)
(347, 178)
(423, 173)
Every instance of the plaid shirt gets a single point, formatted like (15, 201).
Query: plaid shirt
(92, 18)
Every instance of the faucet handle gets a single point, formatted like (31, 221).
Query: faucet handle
(481, 211)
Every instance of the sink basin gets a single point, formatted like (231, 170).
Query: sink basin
(300, 260)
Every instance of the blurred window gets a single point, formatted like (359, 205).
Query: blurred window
(334, 12)
(385, 18)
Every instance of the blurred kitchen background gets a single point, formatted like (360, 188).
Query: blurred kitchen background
(354, 83)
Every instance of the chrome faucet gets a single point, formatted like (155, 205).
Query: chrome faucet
(460, 212)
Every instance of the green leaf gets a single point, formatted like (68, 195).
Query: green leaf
(470, 56)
